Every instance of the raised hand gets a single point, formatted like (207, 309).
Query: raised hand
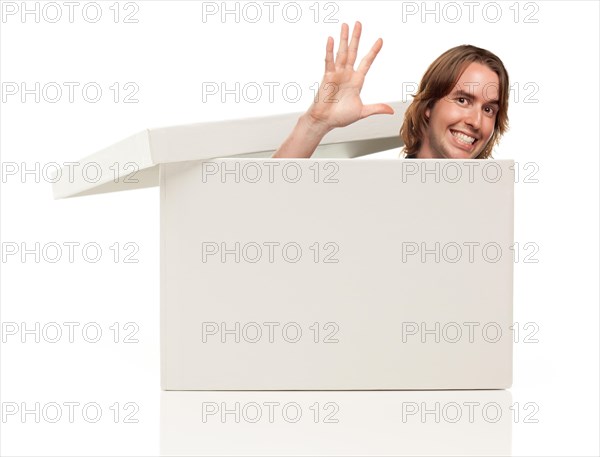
(338, 100)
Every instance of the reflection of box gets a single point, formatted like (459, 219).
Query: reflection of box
(409, 423)
(326, 273)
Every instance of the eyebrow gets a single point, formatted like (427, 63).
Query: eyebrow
(462, 93)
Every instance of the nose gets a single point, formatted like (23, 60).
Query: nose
(473, 118)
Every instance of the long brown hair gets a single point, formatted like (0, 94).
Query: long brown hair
(439, 80)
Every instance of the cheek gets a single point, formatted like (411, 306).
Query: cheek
(452, 114)
(488, 128)
(444, 114)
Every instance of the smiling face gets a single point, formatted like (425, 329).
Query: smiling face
(461, 124)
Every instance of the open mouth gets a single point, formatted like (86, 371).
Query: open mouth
(463, 138)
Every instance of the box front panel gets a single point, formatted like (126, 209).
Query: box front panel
(336, 274)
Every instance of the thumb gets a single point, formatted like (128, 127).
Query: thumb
(377, 108)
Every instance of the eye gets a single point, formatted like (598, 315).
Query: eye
(490, 111)
(461, 100)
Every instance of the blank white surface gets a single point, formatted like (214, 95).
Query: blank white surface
(362, 290)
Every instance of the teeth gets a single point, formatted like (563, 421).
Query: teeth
(462, 137)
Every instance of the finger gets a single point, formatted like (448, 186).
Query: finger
(367, 60)
(377, 108)
(342, 53)
(353, 49)
(329, 65)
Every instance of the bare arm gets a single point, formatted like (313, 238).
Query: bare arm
(338, 102)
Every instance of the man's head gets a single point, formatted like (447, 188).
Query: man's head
(460, 109)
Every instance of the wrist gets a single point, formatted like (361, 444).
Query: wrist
(314, 126)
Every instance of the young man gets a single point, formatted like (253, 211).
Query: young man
(459, 111)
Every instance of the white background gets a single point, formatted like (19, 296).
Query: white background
(168, 54)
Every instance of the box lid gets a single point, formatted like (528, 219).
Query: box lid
(132, 163)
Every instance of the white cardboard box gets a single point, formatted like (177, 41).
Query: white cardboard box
(324, 273)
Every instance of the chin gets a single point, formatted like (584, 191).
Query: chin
(460, 155)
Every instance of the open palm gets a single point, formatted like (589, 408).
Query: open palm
(338, 102)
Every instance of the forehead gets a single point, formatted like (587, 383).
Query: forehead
(480, 81)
